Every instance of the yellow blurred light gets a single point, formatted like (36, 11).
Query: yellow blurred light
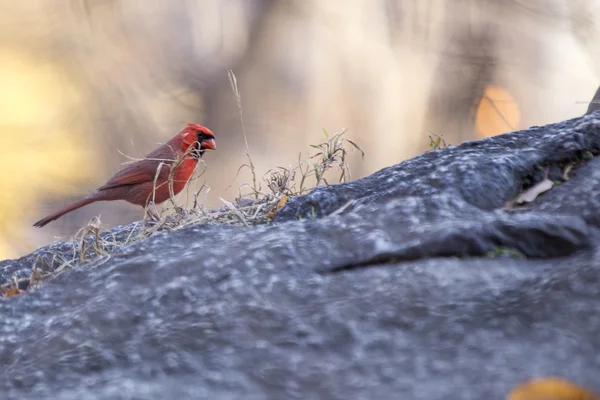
(42, 153)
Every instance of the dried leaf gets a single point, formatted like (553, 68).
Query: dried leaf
(533, 192)
(13, 291)
(12, 288)
(282, 202)
(550, 389)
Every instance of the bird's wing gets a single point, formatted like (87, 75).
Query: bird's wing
(139, 172)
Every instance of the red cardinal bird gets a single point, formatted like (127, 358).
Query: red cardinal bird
(138, 184)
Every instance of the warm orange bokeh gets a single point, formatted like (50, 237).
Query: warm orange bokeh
(42, 152)
(498, 112)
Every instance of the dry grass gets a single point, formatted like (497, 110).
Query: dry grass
(93, 247)
(262, 199)
(258, 205)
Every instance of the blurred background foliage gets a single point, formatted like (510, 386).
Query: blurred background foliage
(82, 81)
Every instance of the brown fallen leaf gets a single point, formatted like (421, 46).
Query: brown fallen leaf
(12, 288)
(550, 388)
(7, 292)
(282, 202)
(533, 192)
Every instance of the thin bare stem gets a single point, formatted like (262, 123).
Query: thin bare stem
(238, 97)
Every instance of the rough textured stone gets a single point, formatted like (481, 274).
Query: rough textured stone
(404, 292)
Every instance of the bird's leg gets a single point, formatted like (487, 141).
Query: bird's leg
(151, 213)
(153, 216)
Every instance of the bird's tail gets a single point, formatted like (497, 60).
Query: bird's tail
(71, 207)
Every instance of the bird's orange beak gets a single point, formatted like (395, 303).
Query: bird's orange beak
(208, 144)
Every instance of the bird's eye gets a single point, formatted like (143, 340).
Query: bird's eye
(203, 136)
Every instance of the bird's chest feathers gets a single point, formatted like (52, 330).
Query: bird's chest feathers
(182, 173)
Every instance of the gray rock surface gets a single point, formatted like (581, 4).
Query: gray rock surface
(417, 282)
